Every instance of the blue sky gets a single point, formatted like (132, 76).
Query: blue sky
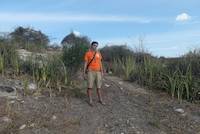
(167, 28)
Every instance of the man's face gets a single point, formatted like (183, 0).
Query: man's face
(94, 46)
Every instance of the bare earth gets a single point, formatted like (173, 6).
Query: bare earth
(129, 109)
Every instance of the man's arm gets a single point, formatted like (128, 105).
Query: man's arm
(85, 67)
(102, 71)
(84, 70)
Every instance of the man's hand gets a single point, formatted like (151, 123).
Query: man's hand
(84, 76)
(102, 74)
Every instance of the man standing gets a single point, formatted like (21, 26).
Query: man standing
(94, 70)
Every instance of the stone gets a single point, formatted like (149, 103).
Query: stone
(106, 125)
(54, 117)
(32, 125)
(32, 86)
(183, 114)
(12, 102)
(120, 82)
(179, 110)
(8, 91)
(6, 119)
(127, 122)
(106, 85)
(22, 126)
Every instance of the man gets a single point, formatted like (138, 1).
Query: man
(94, 70)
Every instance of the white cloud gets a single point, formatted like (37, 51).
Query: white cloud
(183, 17)
(76, 33)
(60, 17)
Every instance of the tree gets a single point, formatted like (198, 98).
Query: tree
(73, 39)
(110, 53)
(28, 38)
(74, 48)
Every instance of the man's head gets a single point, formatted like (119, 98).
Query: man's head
(94, 45)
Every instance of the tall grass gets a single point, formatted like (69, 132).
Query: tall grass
(176, 76)
(117, 67)
(124, 66)
(16, 65)
(128, 66)
(180, 84)
(1, 65)
(148, 72)
(57, 71)
(8, 58)
(43, 69)
(48, 71)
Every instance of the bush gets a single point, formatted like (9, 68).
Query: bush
(74, 49)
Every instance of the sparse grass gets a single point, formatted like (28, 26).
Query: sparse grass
(25, 87)
(76, 92)
(155, 124)
(8, 109)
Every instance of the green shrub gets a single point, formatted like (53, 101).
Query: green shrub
(73, 56)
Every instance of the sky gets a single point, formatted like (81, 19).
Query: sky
(166, 28)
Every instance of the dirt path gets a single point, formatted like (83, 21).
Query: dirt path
(129, 110)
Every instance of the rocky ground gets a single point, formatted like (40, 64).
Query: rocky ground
(129, 109)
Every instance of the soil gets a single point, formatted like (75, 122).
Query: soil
(129, 109)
